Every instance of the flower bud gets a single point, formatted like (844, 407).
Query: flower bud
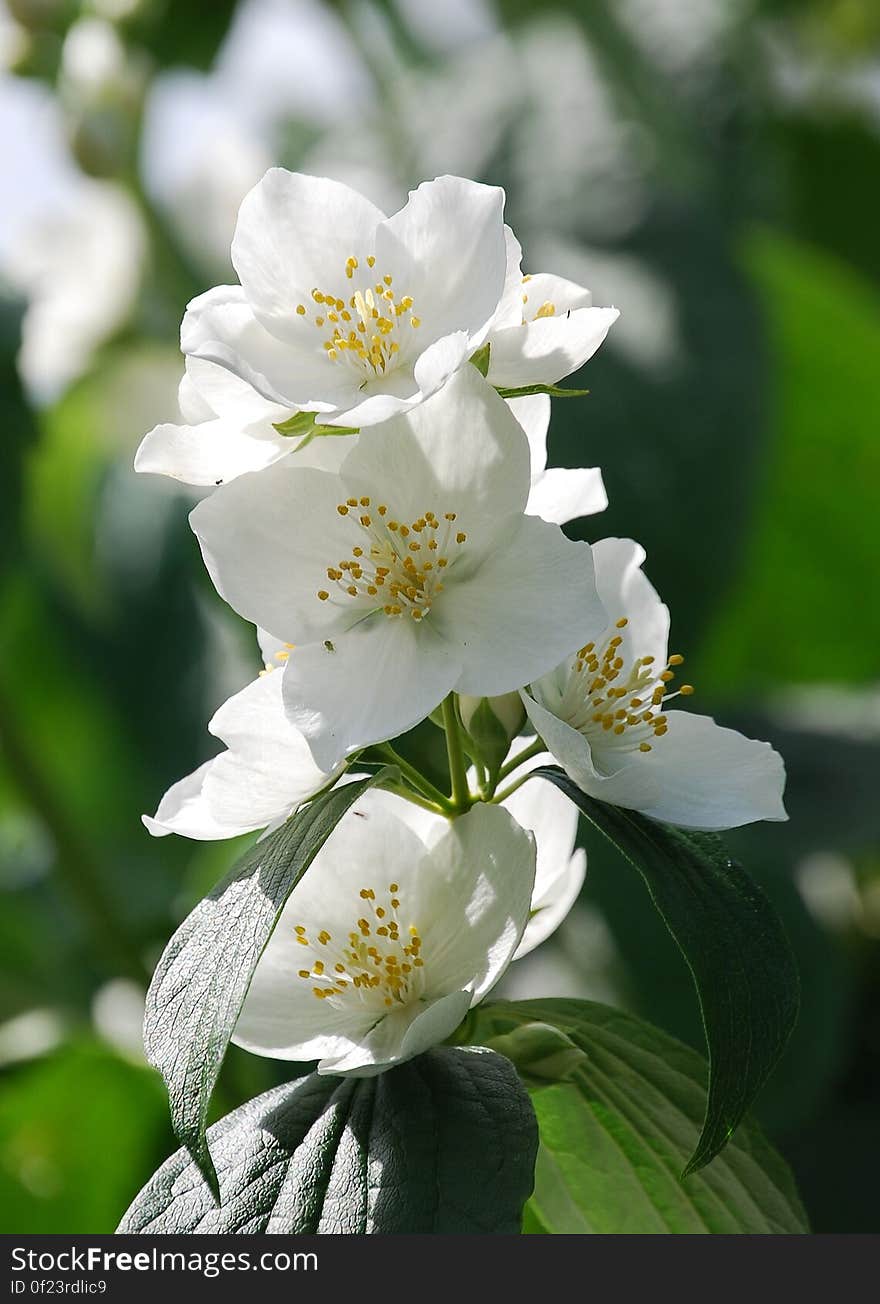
(492, 722)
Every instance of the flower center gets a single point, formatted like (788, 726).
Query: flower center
(380, 966)
(618, 702)
(398, 568)
(368, 330)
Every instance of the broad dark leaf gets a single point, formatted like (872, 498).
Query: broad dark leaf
(733, 943)
(445, 1143)
(202, 978)
(618, 1124)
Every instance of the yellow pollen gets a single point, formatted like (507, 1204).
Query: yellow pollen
(546, 310)
(300, 308)
(374, 343)
(401, 560)
(377, 977)
(608, 690)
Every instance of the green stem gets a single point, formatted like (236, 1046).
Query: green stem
(511, 788)
(534, 749)
(461, 796)
(387, 753)
(73, 860)
(401, 790)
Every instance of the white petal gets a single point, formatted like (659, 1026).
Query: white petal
(380, 678)
(227, 395)
(220, 327)
(400, 1037)
(708, 777)
(438, 362)
(625, 590)
(549, 914)
(184, 810)
(510, 308)
(207, 454)
(264, 775)
(526, 607)
(699, 775)
(194, 407)
(453, 233)
(543, 288)
(461, 451)
(267, 541)
(532, 411)
(560, 494)
(473, 900)
(559, 872)
(634, 785)
(295, 234)
(546, 350)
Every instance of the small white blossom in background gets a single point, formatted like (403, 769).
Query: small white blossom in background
(412, 573)
(603, 713)
(386, 943)
(73, 247)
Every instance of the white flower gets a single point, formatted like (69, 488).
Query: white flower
(602, 713)
(385, 942)
(558, 494)
(411, 573)
(545, 327)
(266, 772)
(344, 311)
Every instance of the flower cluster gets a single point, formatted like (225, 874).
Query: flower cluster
(369, 407)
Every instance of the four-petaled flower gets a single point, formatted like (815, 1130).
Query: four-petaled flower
(603, 713)
(386, 942)
(344, 311)
(412, 573)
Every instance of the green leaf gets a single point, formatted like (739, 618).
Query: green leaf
(202, 978)
(480, 359)
(303, 424)
(555, 391)
(445, 1143)
(617, 1131)
(733, 943)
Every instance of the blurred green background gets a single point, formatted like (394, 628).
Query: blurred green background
(712, 167)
